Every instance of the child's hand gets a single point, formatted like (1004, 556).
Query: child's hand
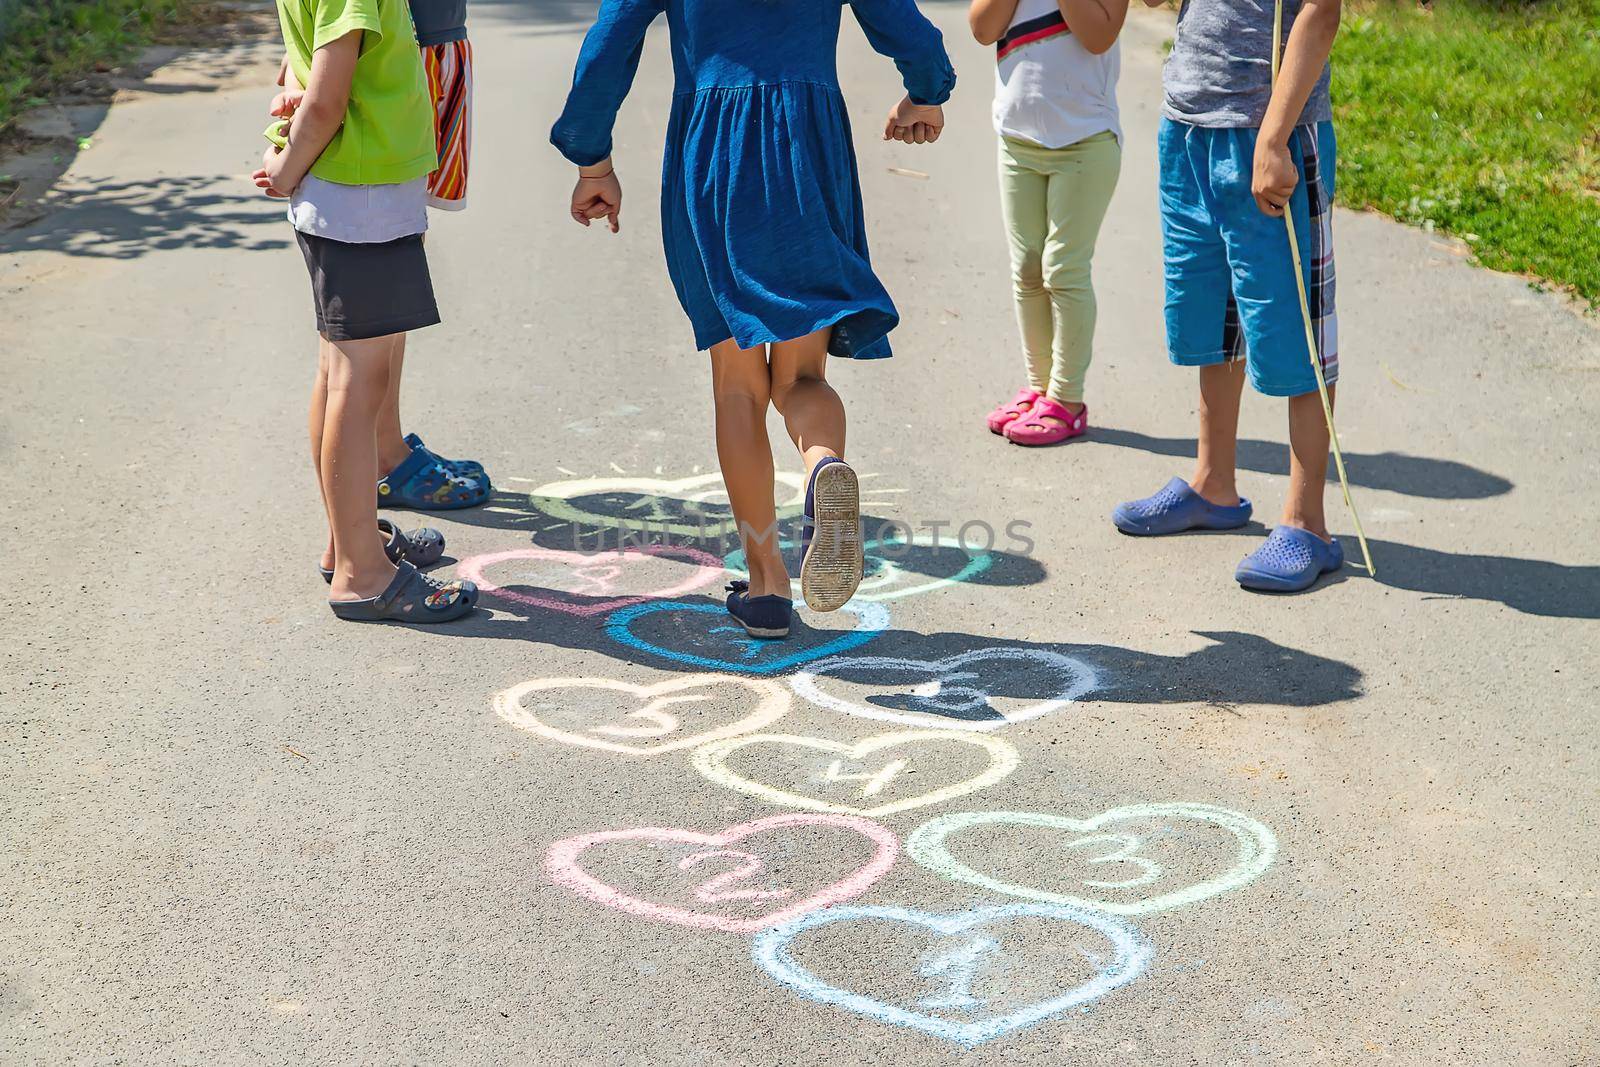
(598, 197)
(266, 178)
(286, 103)
(914, 123)
(1275, 177)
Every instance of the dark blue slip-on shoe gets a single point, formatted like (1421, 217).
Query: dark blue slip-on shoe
(766, 617)
(830, 547)
(1177, 508)
(423, 546)
(462, 468)
(422, 482)
(411, 597)
(1289, 560)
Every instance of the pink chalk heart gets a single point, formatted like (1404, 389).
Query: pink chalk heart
(602, 578)
(728, 871)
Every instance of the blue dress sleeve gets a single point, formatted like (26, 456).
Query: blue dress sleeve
(895, 28)
(606, 67)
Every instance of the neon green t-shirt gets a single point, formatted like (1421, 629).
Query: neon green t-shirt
(387, 136)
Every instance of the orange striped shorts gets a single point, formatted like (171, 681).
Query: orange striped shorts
(449, 68)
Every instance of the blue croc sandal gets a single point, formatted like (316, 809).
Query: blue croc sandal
(1177, 508)
(1289, 560)
(766, 617)
(411, 597)
(830, 548)
(422, 482)
(423, 547)
(461, 468)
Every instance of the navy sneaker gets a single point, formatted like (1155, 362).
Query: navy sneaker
(1176, 507)
(766, 617)
(1289, 560)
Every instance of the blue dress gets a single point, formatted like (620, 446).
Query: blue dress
(760, 203)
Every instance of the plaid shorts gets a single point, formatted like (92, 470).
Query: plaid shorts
(1230, 284)
(449, 70)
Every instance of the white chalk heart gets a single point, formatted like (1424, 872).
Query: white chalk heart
(951, 702)
(556, 499)
(1256, 849)
(711, 761)
(648, 711)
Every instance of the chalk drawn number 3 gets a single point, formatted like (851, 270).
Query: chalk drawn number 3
(1125, 845)
(712, 890)
(654, 722)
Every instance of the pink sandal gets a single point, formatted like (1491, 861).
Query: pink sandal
(1048, 422)
(1005, 414)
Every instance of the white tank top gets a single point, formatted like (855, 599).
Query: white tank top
(1049, 89)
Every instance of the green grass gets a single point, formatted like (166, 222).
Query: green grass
(51, 43)
(1479, 119)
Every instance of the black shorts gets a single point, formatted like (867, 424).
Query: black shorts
(371, 290)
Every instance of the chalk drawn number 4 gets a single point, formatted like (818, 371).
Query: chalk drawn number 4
(713, 890)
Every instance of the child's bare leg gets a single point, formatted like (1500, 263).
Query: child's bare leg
(1220, 387)
(811, 410)
(392, 447)
(318, 417)
(742, 388)
(1308, 464)
(357, 380)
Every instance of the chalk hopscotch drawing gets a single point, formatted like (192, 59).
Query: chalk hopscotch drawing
(644, 720)
(688, 507)
(597, 575)
(755, 657)
(1126, 957)
(711, 760)
(564, 866)
(1255, 849)
(945, 693)
(883, 577)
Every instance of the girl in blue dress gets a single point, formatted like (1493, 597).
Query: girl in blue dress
(765, 240)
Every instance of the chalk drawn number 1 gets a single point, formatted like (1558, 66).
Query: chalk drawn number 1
(1127, 845)
(713, 891)
(959, 966)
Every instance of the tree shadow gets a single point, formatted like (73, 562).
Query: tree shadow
(1419, 476)
(129, 219)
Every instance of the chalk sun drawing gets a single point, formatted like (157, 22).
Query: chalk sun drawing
(645, 718)
(711, 760)
(597, 574)
(756, 657)
(564, 868)
(950, 700)
(650, 510)
(1129, 955)
(885, 579)
(1256, 845)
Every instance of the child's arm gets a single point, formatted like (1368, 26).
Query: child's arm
(1305, 56)
(990, 18)
(606, 68)
(317, 117)
(1095, 23)
(895, 28)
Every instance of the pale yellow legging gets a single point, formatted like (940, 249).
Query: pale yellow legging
(1055, 200)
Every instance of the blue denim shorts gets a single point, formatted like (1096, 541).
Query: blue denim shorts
(1230, 278)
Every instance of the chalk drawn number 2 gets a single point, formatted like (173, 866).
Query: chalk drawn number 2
(713, 891)
(1124, 847)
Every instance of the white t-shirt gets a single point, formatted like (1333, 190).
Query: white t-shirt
(360, 214)
(1049, 89)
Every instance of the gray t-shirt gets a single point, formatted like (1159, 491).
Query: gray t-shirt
(1220, 71)
(439, 21)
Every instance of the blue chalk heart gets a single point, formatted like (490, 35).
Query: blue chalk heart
(1131, 954)
(761, 657)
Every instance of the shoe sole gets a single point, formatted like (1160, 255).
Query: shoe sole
(763, 633)
(1257, 582)
(831, 571)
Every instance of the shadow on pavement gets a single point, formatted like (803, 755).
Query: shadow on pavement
(1419, 476)
(1531, 586)
(126, 220)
